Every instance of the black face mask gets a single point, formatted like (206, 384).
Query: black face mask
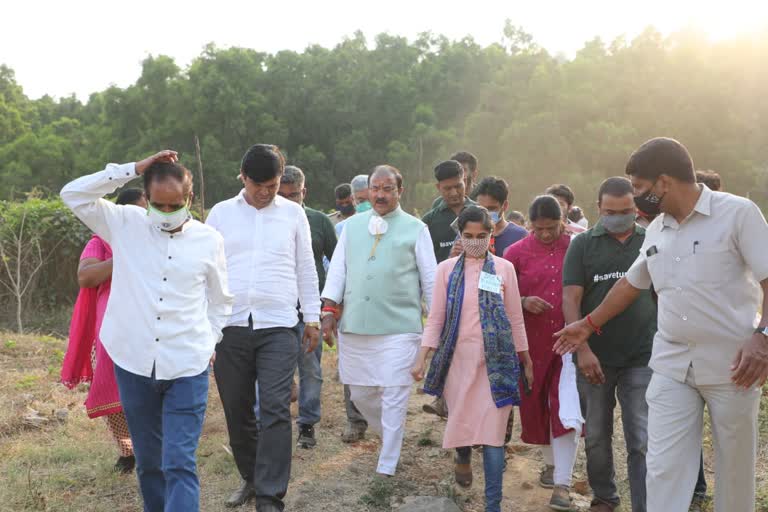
(346, 210)
(649, 203)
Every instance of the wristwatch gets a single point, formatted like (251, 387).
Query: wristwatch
(314, 325)
(325, 314)
(762, 330)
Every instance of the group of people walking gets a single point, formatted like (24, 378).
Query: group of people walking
(254, 289)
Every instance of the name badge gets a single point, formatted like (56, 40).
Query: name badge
(490, 283)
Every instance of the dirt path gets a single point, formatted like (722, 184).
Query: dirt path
(66, 465)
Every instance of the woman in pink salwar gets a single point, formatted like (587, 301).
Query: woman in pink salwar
(476, 329)
(86, 360)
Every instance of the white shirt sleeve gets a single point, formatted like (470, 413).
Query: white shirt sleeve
(336, 279)
(306, 272)
(425, 260)
(638, 275)
(220, 301)
(84, 197)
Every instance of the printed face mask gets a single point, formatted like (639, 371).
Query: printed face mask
(649, 203)
(168, 221)
(475, 247)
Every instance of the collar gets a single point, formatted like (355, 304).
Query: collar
(277, 201)
(394, 213)
(703, 206)
(598, 230)
(467, 202)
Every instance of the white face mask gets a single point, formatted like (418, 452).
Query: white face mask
(168, 221)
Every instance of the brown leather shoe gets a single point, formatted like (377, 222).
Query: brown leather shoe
(437, 407)
(601, 506)
(462, 472)
(561, 499)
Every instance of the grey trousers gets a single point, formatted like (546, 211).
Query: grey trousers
(263, 457)
(598, 403)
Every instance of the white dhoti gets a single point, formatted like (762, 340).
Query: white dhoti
(378, 372)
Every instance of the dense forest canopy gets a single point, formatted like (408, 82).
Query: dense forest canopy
(530, 117)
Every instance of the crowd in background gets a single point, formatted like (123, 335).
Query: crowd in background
(653, 305)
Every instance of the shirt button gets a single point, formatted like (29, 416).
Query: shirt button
(165, 279)
(161, 299)
(677, 259)
(157, 339)
(158, 318)
(169, 257)
(367, 299)
(685, 318)
(369, 278)
(679, 289)
(171, 236)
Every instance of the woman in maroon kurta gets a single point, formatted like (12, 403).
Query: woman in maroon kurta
(538, 260)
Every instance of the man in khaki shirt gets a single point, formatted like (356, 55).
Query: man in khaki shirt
(704, 255)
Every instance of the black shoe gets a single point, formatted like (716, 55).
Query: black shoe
(306, 437)
(241, 496)
(268, 507)
(125, 465)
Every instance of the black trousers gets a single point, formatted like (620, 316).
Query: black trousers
(244, 355)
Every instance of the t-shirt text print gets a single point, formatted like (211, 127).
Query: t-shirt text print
(607, 277)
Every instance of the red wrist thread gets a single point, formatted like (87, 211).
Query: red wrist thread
(594, 327)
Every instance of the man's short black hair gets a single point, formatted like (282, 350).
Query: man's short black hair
(263, 162)
(564, 192)
(494, 187)
(710, 178)
(516, 217)
(448, 170)
(161, 171)
(343, 191)
(659, 156)
(393, 171)
(617, 186)
(466, 158)
(545, 207)
(130, 196)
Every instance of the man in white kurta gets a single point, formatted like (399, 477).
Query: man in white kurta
(382, 268)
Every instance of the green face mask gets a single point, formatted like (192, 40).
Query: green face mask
(363, 207)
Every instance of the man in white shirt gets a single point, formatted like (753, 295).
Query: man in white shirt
(168, 305)
(381, 269)
(271, 268)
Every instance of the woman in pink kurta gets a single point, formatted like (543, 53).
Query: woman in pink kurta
(86, 359)
(538, 261)
(474, 418)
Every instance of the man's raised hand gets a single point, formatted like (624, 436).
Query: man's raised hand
(167, 155)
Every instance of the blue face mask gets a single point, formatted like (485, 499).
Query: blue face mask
(495, 217)
(363, 207)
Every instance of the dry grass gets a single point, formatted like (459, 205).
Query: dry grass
(65, 466)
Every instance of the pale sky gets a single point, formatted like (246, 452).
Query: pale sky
(81, 46)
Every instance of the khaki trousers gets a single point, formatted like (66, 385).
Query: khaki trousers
(675, 423)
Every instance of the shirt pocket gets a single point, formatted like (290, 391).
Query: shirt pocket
(712, 262)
